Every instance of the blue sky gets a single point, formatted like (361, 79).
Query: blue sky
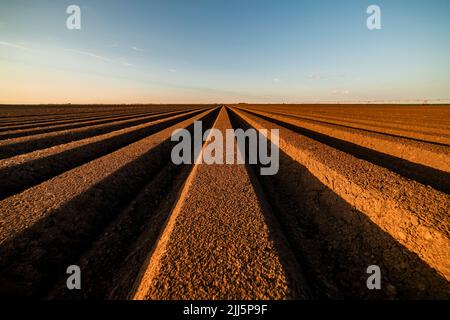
(223, 51)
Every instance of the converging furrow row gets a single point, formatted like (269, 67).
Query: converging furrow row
(98, 188)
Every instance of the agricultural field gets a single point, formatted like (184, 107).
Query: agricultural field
(94, 186)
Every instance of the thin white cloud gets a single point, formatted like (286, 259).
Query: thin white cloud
(14, 45)
(276, 80)
(90, 54)
(173, 70)
(122, 62)
(125, 63)
(136, 49)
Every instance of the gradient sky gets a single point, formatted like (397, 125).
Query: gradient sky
(187, 51)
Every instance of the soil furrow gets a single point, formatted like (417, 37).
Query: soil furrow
(57, 111)
(17, 146)
(24, 171)
(24, 119)
(422, 152)
(11, 129)
(371, 149)
(46, 228)
(438, 136)
(121, 248)
(418, 116)
(96, 186)
(77, 124)
(221, 242)
(414, 215)
(336, 243)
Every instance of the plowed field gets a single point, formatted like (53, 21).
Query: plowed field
(94, 186)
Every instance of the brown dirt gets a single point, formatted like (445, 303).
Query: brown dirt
(23, 171)
(421, 152)
(94, 186)
(417, 216)
(218, 244)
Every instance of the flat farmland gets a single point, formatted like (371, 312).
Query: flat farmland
(95, 186)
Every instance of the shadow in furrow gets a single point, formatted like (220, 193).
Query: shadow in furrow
(361, 129)
(14, 149)
(52, 126)
(298, 286)
(34, 261)
(438, 179)
(335, 243)
(20, 177)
